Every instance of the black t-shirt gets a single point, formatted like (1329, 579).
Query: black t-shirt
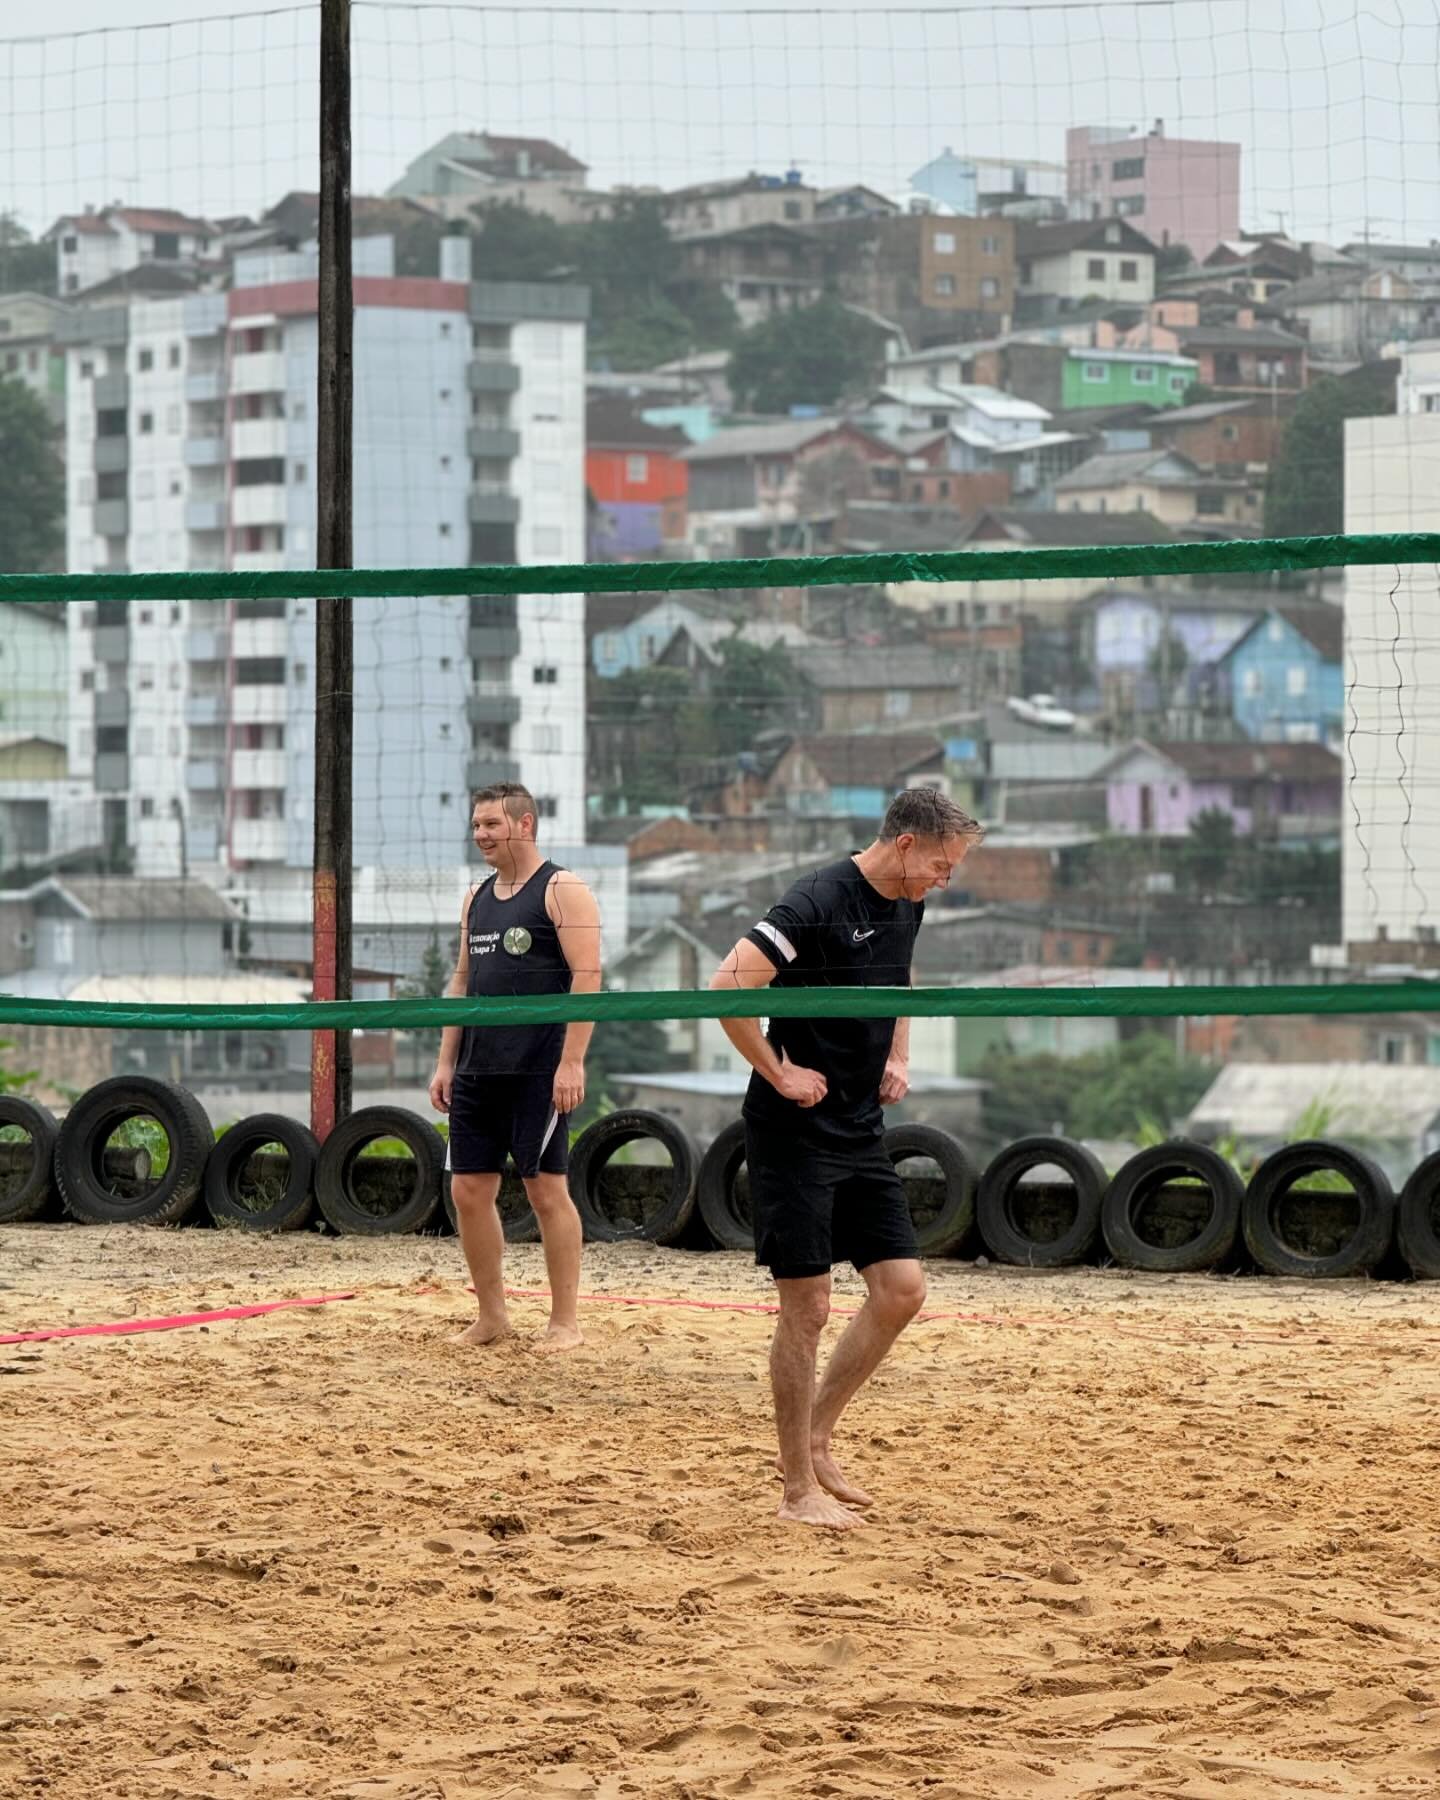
(834, 930)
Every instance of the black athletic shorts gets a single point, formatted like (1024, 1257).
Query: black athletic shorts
(814, 1208)
(495, 1116)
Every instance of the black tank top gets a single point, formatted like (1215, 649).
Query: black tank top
(514, 951)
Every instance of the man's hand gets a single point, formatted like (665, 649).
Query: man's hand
(569, 1089)
(806, 1087)
(895, 1082)
(442, 1086)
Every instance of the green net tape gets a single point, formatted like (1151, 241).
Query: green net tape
(749, 1003)
(1232, 557)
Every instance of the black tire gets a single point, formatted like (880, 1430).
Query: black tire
(25, 1193)
(1007, 1236)
(79, 1153)
(1139, 1186)
(517, 1216)
(941, 1231)
(379, 1202)
(284, 1199)
(1417, 1220)
(658, 1217)
(725, 1212)
(1358, 1244)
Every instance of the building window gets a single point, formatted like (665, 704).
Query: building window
(897, 703)
(1209, 502)
(1251, 684)
(943, 243)
(1143, 375)
(1230, 433)
(174, 356)
(87, 370)
(444, 528)
(989, 288)
(548, 804)
(1128, 168)
(1094, 372)
(637, 468)
(145, 676)
(147, 424)
(87, 680)
(794, 210)
(147, 809)
(1129, 205)
(1129, 271)
(1178, 383)
(145, 360)
(945, 284)
(1095, 268)
(70, 245)
(989, 246)
(1296, 680)
(545, 674)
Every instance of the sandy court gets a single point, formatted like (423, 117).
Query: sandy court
(1140, 1536)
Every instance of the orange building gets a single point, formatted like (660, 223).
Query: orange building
(636, 481)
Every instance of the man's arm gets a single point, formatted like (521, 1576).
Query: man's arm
(747, 967)
(895, 1082)
(572, 910)
(442, 1081)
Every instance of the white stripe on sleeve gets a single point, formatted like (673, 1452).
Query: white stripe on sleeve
(778, 939)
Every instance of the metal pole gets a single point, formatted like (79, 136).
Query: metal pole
(334, 646)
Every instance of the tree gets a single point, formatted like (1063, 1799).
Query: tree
(756, 687)
(1305, 495)
(813, 356)
(1211, 846)
(24, 264)
(515, 244)
(1105, 1093)
(435, 973)
(32, 490)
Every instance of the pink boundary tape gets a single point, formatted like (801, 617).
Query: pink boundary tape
(172, 1322)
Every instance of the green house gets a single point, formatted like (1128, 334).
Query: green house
(1125, 378)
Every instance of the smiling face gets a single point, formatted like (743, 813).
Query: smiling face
(928, 863)
(496, 832)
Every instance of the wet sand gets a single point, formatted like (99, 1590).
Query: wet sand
(1133, 1536)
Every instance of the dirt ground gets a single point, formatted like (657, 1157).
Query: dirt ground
(1134, 1536)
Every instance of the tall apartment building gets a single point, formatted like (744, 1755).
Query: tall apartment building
(1173, 190)
(1390, 848)
(192, 436)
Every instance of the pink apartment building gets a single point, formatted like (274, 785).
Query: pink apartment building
(1174, 190)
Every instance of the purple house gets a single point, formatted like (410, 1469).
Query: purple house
(1286, 791)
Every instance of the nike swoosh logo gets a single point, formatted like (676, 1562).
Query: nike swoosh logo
(860, 936)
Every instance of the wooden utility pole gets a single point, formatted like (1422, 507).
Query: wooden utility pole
(334, 642)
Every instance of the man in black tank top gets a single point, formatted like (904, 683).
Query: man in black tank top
(529, 928)
(821, 1186)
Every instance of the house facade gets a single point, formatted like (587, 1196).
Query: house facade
(1285, 676)
(762, 270)
(894, 687)
(1277, 791)
(636, 482)
(1160, 482)
(1086, 259)
(92, 246)
(853, 777)
(1072, 378)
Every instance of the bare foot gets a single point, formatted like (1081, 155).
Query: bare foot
(820, 1509)
(827, 1473)
(559, 1337)
(485, 1331)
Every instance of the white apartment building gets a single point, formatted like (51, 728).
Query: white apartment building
(1391, 844)
(191, 426)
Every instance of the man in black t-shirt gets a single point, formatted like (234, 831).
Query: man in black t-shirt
(821, 1186)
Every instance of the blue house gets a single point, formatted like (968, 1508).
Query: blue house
(1285, 675)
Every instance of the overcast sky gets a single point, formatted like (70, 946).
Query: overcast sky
(1334, 101)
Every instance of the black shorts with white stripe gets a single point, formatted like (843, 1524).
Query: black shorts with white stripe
(493, 1117)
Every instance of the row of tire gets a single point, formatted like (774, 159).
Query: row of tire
(268, 1173)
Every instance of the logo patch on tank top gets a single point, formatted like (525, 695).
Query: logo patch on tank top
(517, 940)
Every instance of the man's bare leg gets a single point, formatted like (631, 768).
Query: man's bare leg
(896, 1292)
(482, 1239)
(562, 1235)
(804, 1308)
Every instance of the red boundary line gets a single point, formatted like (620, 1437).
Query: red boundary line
(171, 1322)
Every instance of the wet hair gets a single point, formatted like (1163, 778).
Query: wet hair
(925, 812)
(512, 795)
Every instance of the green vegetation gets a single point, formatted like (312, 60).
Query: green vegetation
(1305, 495)
(1105, 1093)
(814, 356)
(32, 492)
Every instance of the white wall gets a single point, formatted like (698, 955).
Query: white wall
(1391, 852)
